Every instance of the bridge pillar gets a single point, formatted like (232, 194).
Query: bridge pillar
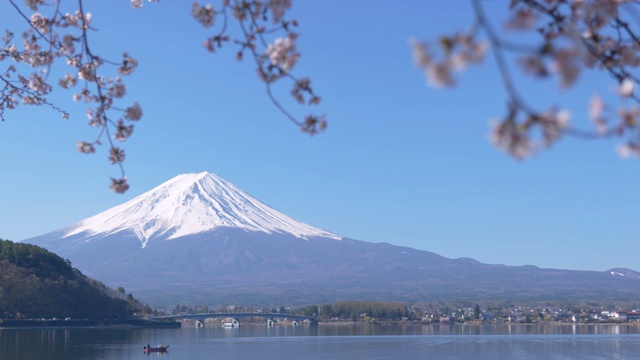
(270, 323)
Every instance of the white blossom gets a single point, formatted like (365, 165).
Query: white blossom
(626, 87)
(282, 52)
(596, 110)
(41, 23)
(628, 150)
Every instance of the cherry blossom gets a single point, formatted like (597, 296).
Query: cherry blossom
(133, 113)
(203, 14)
(561, 40)
(119, 185)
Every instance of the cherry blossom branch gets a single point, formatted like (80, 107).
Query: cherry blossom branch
(574, 36)
(86, 67)
(274, 61)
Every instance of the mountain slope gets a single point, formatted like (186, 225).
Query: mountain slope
(36, 283)
(185, 205)
(198, 239)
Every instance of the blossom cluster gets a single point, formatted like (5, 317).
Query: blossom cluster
(139, 3)
(458, 51)
(569, 37)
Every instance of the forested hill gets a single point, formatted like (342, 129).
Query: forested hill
(36, 283)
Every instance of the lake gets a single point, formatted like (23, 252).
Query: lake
(328, 342)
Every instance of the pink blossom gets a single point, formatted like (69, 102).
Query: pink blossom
(68, 44)
(439, 75)
(67, 81)
(38, 83)
(523, 19)
(278, 8)
(629, 117)
(552, 124)
(534, 65)
(117, 90)
(203, 14)
(85, 148)
(116, 155)
(134, 112)
(41, 23)
(128, 64)
(507, 136)
(119, 185)
(87, 72)
(565, 63)
(122, 131)
(33, 4)
(421, 55)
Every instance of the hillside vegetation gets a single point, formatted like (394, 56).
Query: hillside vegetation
(36, 283)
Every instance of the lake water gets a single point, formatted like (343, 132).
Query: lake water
(327, 342)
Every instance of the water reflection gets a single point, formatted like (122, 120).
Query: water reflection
(326, 341)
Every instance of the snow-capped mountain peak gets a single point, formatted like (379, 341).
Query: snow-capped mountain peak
(190, 204)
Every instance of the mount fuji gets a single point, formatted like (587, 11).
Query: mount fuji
(185, 205)
(199, 239)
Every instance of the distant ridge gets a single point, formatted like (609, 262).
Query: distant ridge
(198, 239)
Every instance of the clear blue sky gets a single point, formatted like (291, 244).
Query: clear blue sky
(401, 162)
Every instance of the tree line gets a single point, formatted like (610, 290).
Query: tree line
(355, 310)
(36, 283)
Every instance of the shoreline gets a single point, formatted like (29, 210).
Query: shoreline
(86, 323)
(144, 323)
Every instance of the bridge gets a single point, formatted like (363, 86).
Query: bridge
(236, 317)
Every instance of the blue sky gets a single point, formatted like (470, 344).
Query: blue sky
(401, 162)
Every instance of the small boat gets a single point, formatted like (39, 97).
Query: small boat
(160, 348)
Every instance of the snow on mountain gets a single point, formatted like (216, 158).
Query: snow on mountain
(190, 204)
